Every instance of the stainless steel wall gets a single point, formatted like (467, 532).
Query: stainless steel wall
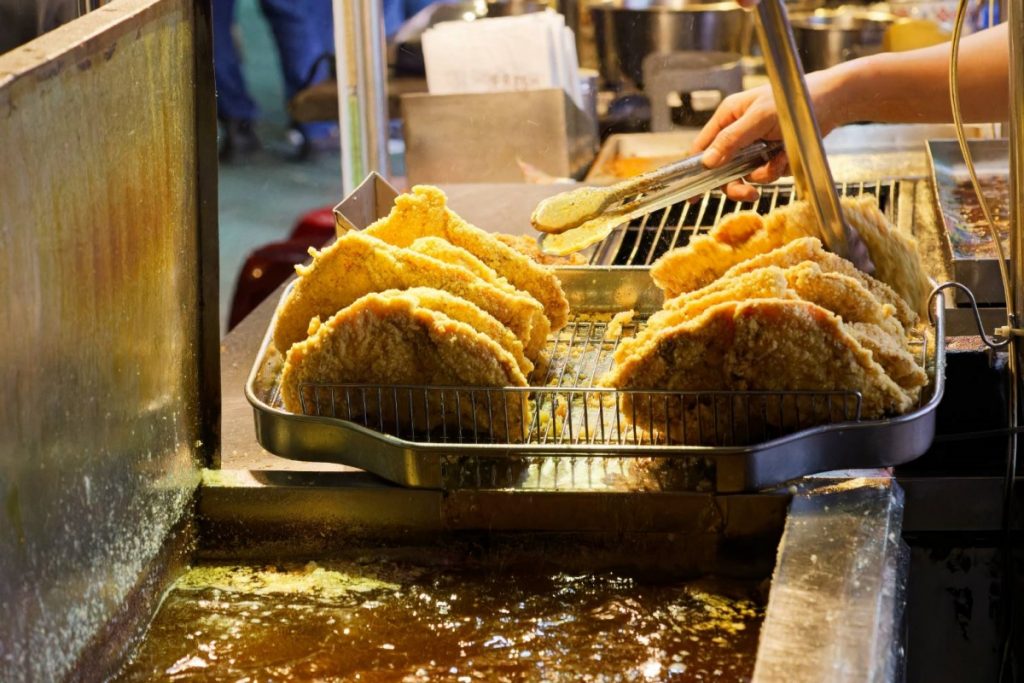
(102, 360)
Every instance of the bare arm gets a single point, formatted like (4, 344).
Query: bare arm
(897, 87)
(913, 87)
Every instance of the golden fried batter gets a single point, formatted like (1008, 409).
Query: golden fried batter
(763, 344)
(834, 292)
(744, 235)
(892, 354)
(764, 283)
(843, 295)
(810, 249)
(460, 310)
(424, 213)
(895, 255)
(443, 250)
(357, 264)
(737, 237)
(391, 340)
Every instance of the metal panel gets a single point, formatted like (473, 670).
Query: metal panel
(838, 590)
(482, 137)
(104, 362)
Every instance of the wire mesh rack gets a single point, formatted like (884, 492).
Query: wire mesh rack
(564, 408)
(643, 240)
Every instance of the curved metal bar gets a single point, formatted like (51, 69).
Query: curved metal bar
(991, 342)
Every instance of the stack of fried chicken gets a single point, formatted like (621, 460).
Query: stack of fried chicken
(758, 305)
(423, 298)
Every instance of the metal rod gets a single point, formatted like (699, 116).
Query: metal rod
(362, 90)
(1016, 135)
(811, 173)
(1015, 21)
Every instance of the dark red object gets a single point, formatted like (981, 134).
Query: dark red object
(263, 272)
(270, 265)
(315, 227)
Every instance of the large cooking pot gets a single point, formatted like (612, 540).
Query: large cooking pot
(405, 49)
(827, 37)
(626, 31)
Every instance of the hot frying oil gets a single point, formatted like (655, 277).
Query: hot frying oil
(395, 622)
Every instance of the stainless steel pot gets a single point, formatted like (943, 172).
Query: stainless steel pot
(627, 31)
(827, 37)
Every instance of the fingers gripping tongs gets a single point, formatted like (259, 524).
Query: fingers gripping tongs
(576, 219)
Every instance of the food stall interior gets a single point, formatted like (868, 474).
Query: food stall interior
(166, 517)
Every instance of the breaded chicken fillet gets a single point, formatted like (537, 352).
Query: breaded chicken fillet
(810, 249)
(741, 236)
(358, 264)
(443, 250)
(762, 344)
(460, 310)
(834, 292)
(424, 213)
(392, 340)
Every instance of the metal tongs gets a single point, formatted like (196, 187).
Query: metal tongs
(811, 173)
(578, 218)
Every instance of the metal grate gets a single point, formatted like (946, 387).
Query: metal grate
(644, 240)
(565, 409)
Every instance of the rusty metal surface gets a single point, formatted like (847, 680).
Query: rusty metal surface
(100, 426)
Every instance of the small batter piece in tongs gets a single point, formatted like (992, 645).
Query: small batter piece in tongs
(576, 219)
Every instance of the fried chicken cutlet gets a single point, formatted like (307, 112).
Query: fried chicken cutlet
(424, 213)
(869, 321)
(443, 250)
(390, 339)
(743, 235)
(460, 310)
(810, 249)
(763, 344)
(358, 264)
(837, 293)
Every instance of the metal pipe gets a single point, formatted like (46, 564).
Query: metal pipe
(362, 90)
(1015, 21)
(800, 130)
(1016, 135)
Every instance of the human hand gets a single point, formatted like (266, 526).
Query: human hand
(748, 116)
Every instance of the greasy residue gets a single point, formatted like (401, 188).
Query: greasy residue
(397, 622)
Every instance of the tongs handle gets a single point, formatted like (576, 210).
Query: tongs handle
(682, 179)
(742, 163)
(811, 173)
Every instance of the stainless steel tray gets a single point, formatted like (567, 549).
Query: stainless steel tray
(581, 460)
(646, 150)
(975, 263)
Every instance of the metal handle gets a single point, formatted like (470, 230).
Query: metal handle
(744, 161)
(811, 173)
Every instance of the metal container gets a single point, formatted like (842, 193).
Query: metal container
(586, 439)
(974, 254)
(827, 37)
(480, 137)
(627, 31)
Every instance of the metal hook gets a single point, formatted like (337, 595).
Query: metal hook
(991, 342)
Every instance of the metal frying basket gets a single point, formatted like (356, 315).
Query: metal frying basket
(565, 433)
